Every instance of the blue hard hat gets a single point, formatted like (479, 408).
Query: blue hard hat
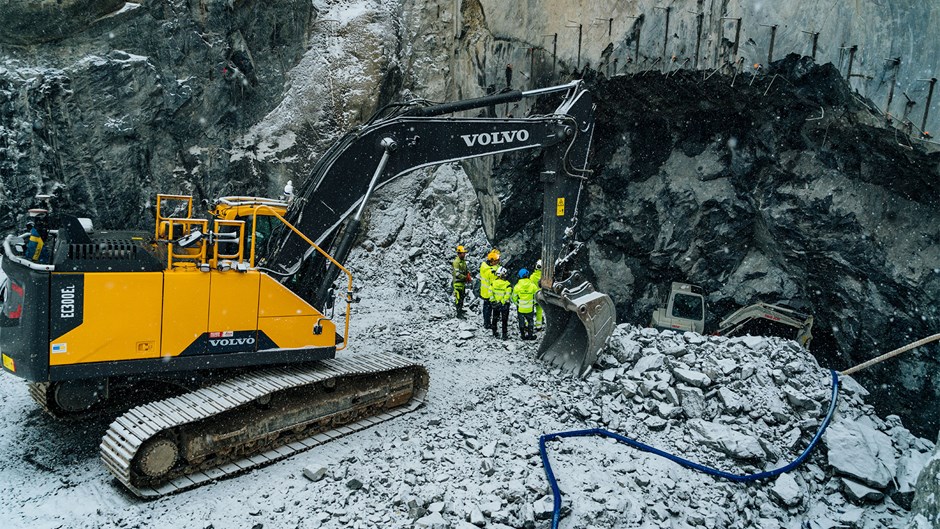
(523, 273)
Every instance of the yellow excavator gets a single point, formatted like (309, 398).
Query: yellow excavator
(220, 320)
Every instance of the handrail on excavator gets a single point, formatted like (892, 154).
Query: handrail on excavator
(349, 287)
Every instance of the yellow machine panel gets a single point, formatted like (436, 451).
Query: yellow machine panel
(289, 321)
(278, 300)
(298, 331)
(121, 313)
(233, 300)
(185, 309)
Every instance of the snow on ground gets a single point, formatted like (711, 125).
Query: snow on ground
(469, 457)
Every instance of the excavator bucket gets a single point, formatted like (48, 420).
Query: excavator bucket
(578, 322)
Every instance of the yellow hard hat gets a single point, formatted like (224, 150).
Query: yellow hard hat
(493, 255)
(461, 249)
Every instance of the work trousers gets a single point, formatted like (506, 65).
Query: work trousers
(526, 325)
(459, 291)
(487, 313)
(501, 312)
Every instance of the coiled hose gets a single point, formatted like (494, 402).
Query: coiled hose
(556, 493)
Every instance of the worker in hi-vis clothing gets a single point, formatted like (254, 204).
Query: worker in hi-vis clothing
(536, 277)
(487, 274)
(460, 279)
(501, 292)
(523, 295)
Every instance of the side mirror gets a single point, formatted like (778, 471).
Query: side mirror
(188, 240)
(330, 299)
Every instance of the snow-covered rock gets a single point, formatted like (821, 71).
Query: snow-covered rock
(857, 450)
(787, 491)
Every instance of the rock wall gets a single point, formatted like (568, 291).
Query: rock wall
(150, 98)
(925, 512)
(783, 189)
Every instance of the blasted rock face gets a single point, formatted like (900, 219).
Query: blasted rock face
(41, 21)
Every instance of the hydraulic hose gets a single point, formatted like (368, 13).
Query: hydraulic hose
(556, 493)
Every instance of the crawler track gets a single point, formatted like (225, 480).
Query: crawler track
(254, 419)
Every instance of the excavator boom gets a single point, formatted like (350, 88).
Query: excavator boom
(735, 321)
(579, 319)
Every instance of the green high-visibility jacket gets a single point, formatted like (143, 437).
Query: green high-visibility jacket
(523, 295)
(501, 289)
(487, 275)
(460, 272)
(536, 276)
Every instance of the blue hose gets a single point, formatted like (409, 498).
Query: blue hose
(556, 493)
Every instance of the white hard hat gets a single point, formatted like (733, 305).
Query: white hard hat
(538, 264)
(501, 272)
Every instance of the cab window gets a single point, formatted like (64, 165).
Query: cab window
(688, 307)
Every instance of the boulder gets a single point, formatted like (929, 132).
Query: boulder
(722, 438)
(857, 450)
(787, 491)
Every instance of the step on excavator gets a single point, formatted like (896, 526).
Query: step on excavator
(218, 325)
(684, 310)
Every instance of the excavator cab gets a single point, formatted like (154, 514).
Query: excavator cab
(246, 209)
(682, 310)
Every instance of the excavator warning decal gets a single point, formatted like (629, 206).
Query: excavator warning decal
(560, 207)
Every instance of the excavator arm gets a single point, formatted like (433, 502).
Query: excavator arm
(330, 206)
(803, 323)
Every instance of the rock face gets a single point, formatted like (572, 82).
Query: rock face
(47, 20)
(226, 101)
(783, 188)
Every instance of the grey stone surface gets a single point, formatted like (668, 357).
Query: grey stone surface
(858, 492)
(693, 378)
(787, 491)
(857, 450)
(647, 363)
(315, 473)
(725, 440)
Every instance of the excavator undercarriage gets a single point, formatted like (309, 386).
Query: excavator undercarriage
(256, 418)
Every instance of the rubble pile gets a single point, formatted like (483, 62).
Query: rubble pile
(744, 405)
